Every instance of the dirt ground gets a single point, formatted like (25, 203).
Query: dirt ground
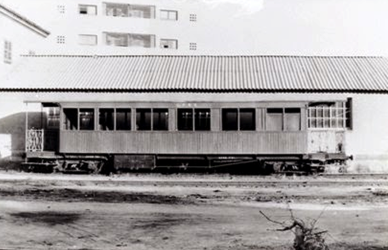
(212, 212)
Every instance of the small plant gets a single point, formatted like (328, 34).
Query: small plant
(307, 235)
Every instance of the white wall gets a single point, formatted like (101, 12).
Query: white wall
(367, 141)
(23, 41)
(280, 27)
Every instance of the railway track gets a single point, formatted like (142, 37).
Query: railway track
(202, 180)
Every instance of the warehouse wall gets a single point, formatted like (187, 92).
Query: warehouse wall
(367, 141)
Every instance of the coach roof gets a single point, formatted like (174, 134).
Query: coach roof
(198, 74)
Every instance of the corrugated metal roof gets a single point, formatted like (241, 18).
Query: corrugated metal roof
(199, 73)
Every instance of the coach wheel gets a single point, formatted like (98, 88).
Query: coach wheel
(277, 167)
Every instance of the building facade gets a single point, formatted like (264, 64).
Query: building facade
(18, 35)
(120, 27)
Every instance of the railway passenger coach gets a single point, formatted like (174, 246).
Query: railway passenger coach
(244, 113)
(135, 135)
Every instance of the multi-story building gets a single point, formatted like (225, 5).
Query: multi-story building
(120, 27)
(18, 35)
(203, 27)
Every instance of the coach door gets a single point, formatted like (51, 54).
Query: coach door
(326, 127)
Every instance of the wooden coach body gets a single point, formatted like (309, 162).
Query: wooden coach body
(290, 136)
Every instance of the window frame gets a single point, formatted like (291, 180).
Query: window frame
(93, 120)
(53, 117)
(283, 117)
(193, 17)
(87, 7)
(194, 117)
(137, 122)
(87, 35)
(322, 116)
(238, 119)
(168, 12)
(113, 119)
(67, 122)
(152, 129)
(129, 9)
(128, 39)
(61, 39)
(169, 40)
(128, 126)
(7, 52)
(193, 46)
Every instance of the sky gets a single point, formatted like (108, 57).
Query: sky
(276, 27)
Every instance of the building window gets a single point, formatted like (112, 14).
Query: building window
(71, 119)
(53, 117)
(328, 115)
(143, 119)
(194, 119)
(106, 119)
(169, 15)
(274, 119)
(123, 119)
(160, 119)
(86, 119)
(125, 10)
(87, 9)
(130, 40)
(115, 9)
(168, 44)
(61, 39)
(61, 9)
(7, 52)
(193, 17)
(141, 11)
(193, 46)
(87, 39)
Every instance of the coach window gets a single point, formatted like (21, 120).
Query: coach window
(185, 119)
(329, 115)
(53, 117)
(274, 119)
(202, 119)
(86, 119)
(105, 121)
(143, 119)
(229, 119)
(70, 119)
(123, 119)
(160, 119)
(247, 119)
(292, 119)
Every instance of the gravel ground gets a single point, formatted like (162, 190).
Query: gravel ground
(151, 211)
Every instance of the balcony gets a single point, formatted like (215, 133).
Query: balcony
(126, 10)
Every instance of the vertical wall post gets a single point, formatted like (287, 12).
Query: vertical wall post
(26, 130)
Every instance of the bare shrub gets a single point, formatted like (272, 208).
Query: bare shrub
(307, 235)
